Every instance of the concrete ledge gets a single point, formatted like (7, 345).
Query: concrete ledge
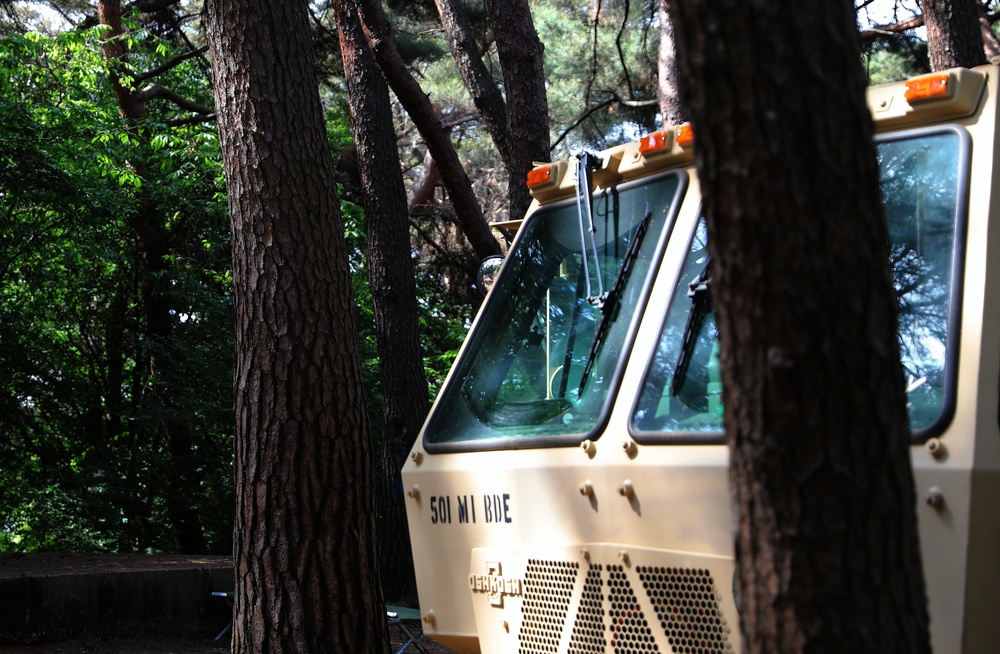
(58, 597)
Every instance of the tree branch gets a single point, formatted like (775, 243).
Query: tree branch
(153, 6)
(157, 91)
(193, 120)
(896, 28)
(621, 49)
(170, 64)
(612, 98)
(584, 116)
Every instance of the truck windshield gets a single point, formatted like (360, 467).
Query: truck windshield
(544, 358)
(922, 179)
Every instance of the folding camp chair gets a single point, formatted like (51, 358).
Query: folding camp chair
(228, 597)
(398, 616)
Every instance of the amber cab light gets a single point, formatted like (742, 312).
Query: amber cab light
(539, 176)
(926, 87)
(685, 135)
(653, 142)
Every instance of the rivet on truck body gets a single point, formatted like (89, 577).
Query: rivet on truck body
(936, 448)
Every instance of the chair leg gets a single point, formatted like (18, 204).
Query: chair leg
(410, 640)
(224, 631)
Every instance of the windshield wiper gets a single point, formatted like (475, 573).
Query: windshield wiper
(700, 292)
(612, 303)
(585, 165)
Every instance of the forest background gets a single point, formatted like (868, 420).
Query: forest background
(116, 306)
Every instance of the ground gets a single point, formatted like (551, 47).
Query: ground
(161, 645)
(19, 565)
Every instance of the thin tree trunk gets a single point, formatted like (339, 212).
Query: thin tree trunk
(423, 187)
(953, 33)
(390, 271)
(991, 44)
(520, 52)
(418, 106)
(306, 567)
(485, 93)
(827, 551)
(668, 93)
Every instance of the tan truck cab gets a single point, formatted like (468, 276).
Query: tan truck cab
(568, 493)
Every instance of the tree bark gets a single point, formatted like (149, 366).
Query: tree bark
(668, 94)
(895, 28)
(390, 273)
(306, 569)
(418, 106)
(991, 44)
(423, 187)
(953, 33)
(520, 53)
(485, 93)
(826, 544)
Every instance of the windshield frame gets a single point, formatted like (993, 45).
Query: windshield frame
(493, 304)
(954, 304)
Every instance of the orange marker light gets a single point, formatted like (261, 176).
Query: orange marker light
(685, 135)
(653, 142)
(539, 176)
(926, 87)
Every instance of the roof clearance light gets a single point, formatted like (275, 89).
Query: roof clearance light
(926, 87)
(685, 135)
(539, 176)
(653, 142)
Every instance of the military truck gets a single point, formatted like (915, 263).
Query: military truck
(568, 492)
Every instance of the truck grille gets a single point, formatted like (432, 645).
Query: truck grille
(621, 610)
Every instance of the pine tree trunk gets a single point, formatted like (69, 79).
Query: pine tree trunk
(305, 546)
(378, 33)
(668, 93)
(953, 33)
(827, 551)
(485, 93)
(394, 293)
(520, 52)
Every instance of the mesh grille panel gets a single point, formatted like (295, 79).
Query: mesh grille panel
(611, 601)
(687, 606)
(630, 633)
(588, 629)
(548, 586)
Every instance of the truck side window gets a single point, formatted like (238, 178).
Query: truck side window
(698, 404)
(547, 351)
(923, 180)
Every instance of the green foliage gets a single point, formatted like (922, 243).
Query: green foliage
(83, 468)
(444, 321)
(357, 242)
(606, 64)
(895, 57)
